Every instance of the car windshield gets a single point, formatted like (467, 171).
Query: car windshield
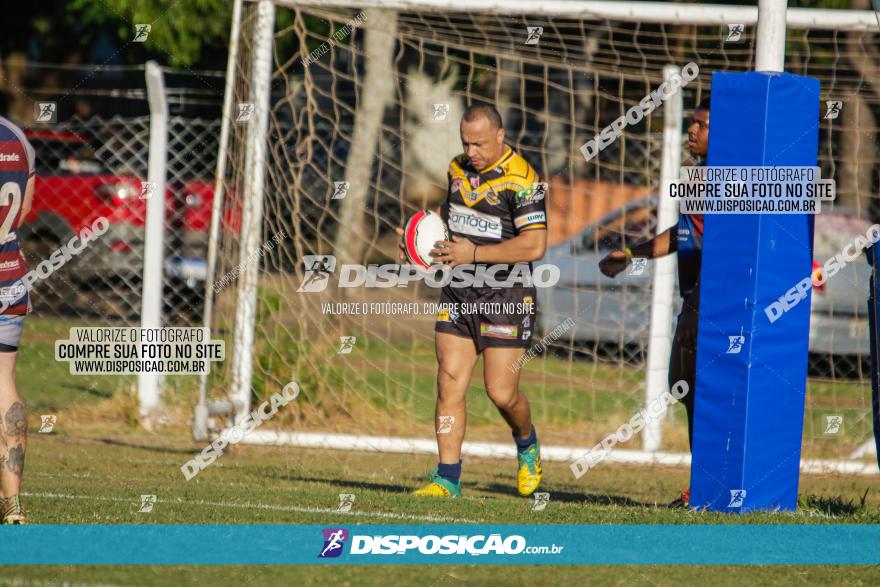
(634, 225)
(834, 232)
(60, 157)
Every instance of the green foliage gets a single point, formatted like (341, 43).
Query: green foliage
(184, 33)
(180, 30)
(840, 4)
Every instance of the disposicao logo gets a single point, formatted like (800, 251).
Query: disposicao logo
(334, 540)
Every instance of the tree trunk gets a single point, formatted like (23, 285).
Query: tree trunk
(858, 148)
(380, 77)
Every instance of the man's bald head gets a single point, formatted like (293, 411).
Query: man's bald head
(475, 111)
(482, 135)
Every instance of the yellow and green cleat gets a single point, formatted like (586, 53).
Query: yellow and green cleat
(530, 472)
(439, 487)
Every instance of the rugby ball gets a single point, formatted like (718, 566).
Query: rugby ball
(422, 230)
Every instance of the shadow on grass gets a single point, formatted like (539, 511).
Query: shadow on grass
(568, 496)
(833, 506)
(354, 484)
(54, 404)
(159, 449)
(502, 490)
(497, 488)
(89, 390)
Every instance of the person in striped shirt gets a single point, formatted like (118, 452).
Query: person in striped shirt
(17, 160)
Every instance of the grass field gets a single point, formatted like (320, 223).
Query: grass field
(97, 463)
(96, 475)
(429, 576)
(577, 401)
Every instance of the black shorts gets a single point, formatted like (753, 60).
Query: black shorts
(683, 362)
(491, 317)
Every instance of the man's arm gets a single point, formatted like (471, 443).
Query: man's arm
(659, 246)
(528, 215)
(528, 246)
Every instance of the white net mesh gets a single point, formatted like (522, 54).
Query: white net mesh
(554, 94)
(91, 162)
(95, 167)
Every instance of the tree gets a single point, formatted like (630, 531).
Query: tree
(181, 31)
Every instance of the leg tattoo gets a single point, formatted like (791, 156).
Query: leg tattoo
(16, 460)
(13, 432)
(16, 420)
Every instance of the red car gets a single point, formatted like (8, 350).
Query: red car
(74, 187)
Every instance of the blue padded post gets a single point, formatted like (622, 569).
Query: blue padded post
(749, 405)
(873, 308)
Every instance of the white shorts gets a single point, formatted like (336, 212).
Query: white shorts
(10, 333)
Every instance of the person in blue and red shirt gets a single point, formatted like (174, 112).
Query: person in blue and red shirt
(17, 175)
(685, 239)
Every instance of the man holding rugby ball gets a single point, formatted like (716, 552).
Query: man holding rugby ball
(495, 213)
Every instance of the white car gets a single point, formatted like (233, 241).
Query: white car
(617, 311)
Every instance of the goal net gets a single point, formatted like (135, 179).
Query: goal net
(363, 114)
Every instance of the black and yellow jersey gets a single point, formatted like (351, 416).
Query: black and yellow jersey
(495, 204)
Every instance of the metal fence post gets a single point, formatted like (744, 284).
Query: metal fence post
(150, 384)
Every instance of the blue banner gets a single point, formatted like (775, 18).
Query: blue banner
(159, 544)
